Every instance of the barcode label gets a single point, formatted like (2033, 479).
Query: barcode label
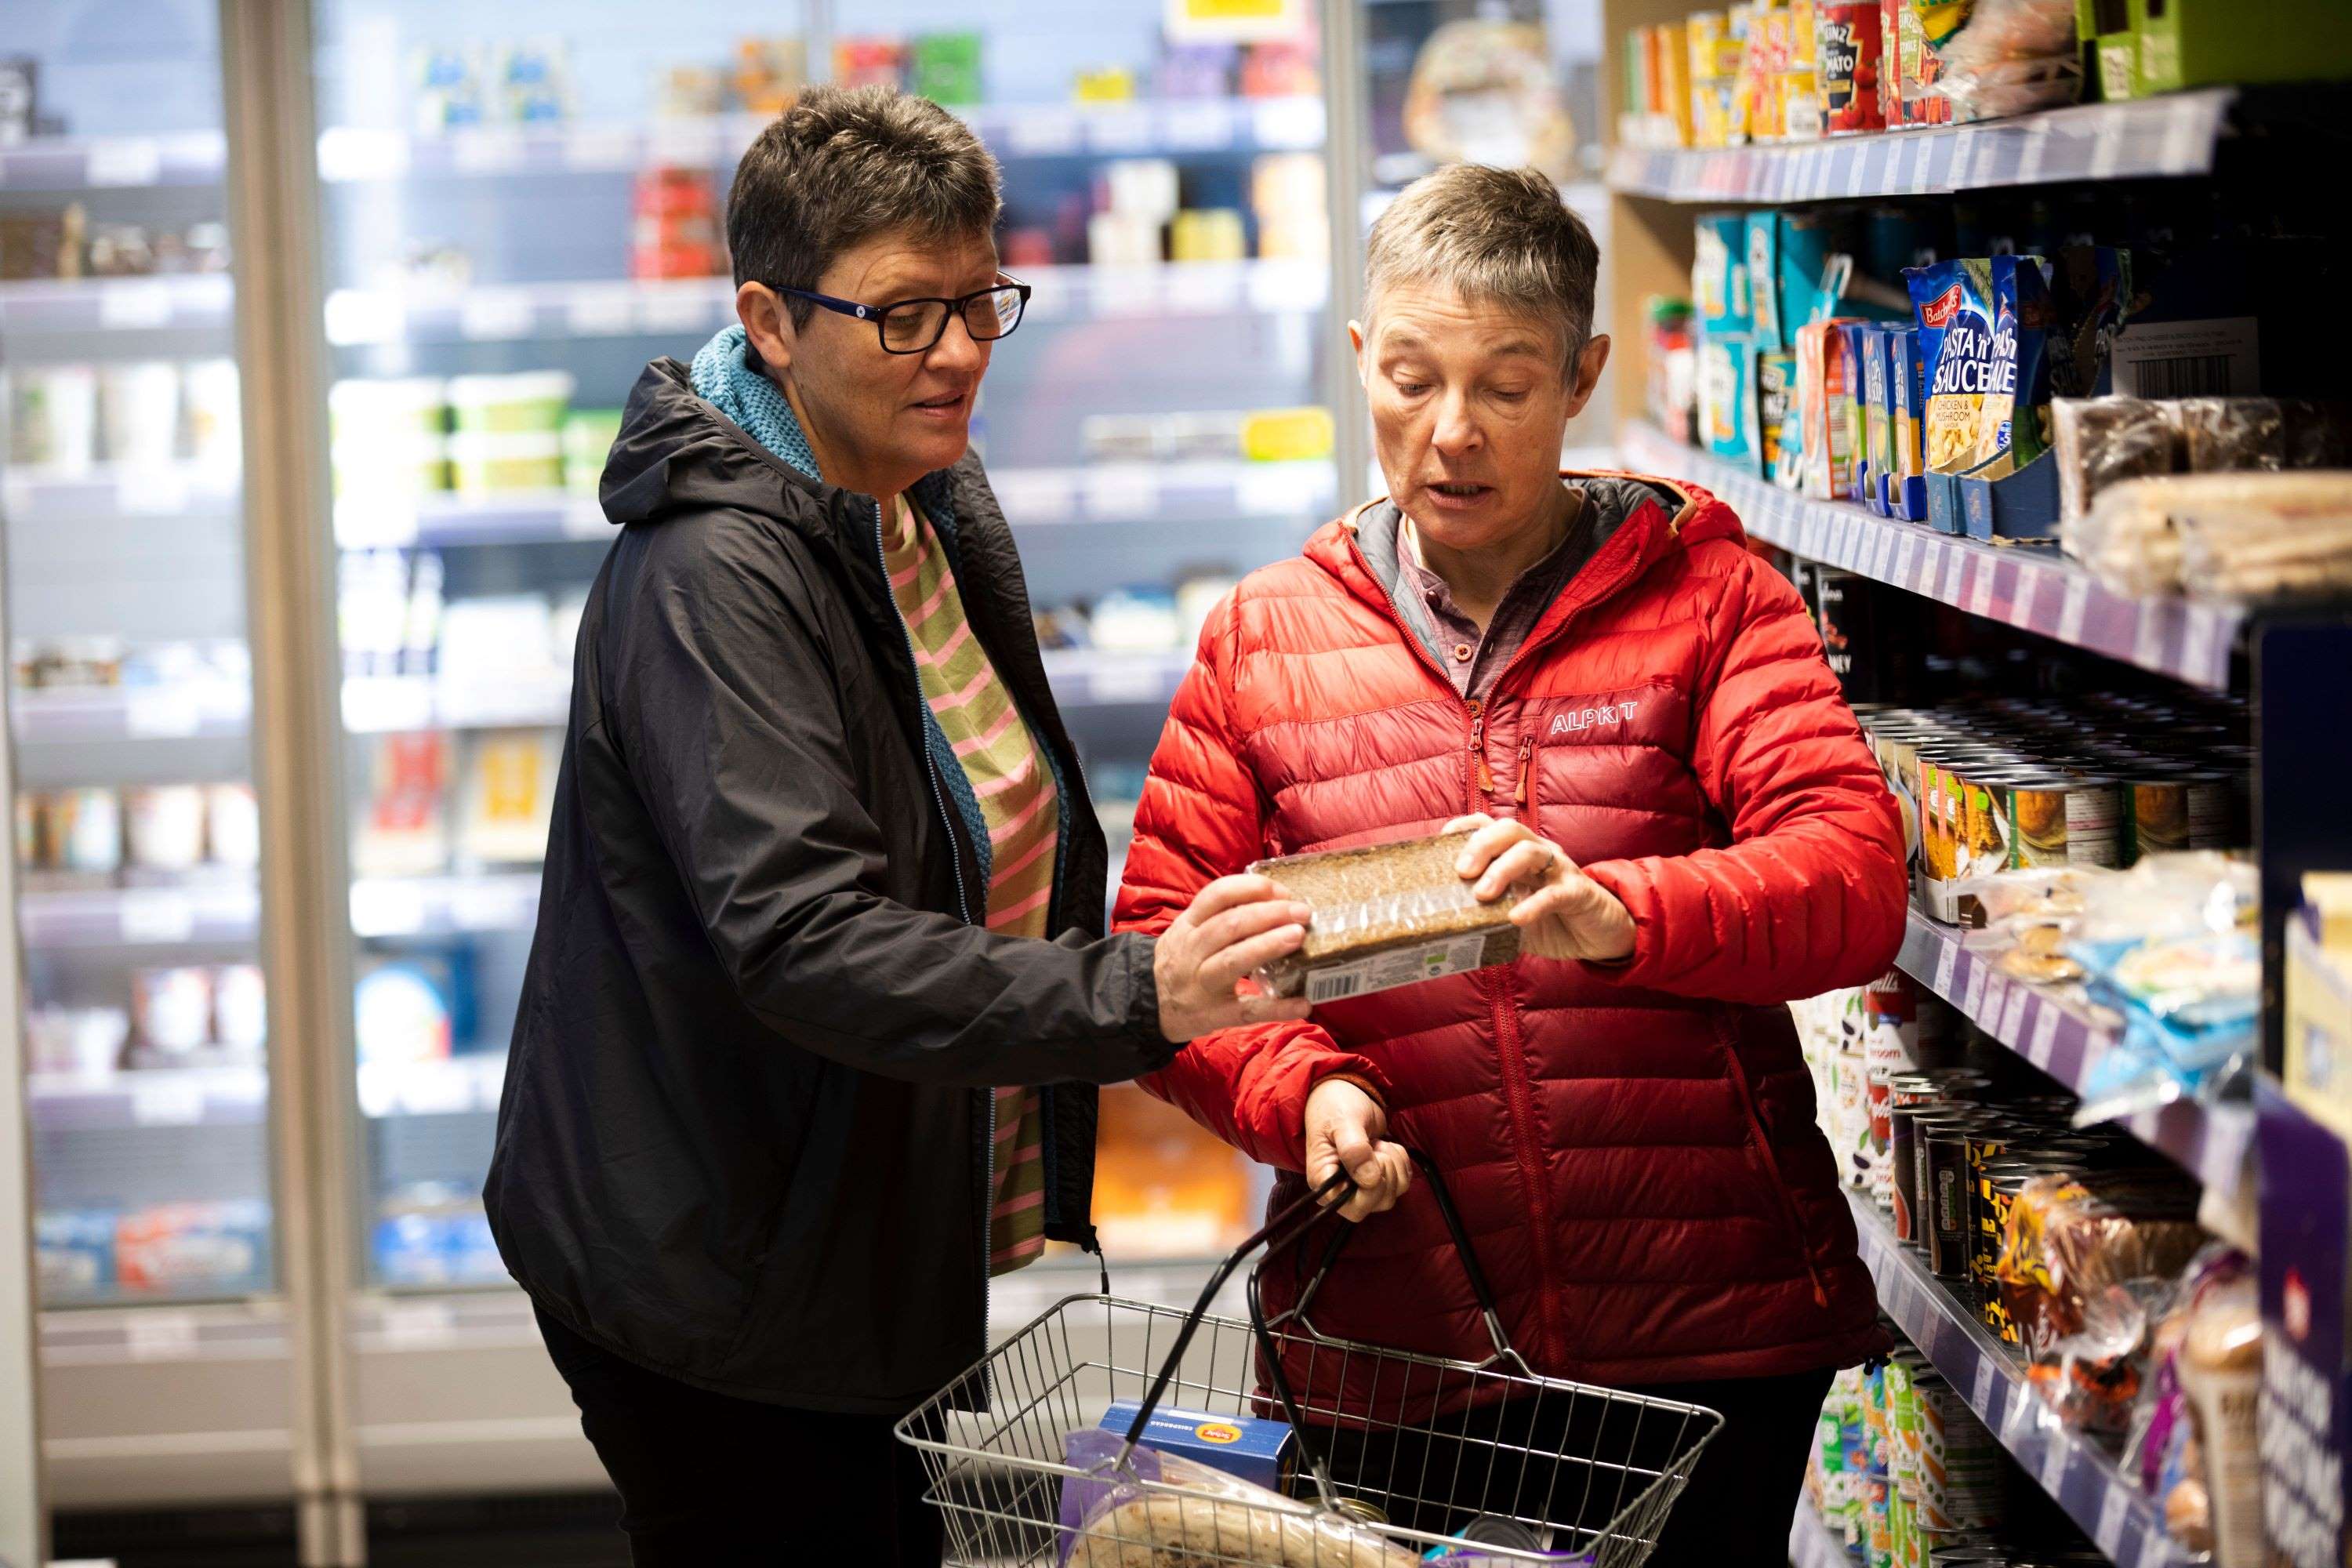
(1400, 966)
(2196, 375)
(1334, 985)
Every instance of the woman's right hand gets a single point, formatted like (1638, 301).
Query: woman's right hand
(1346, 1130)
(1234, 927)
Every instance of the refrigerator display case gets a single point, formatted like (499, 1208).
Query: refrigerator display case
(136, 832)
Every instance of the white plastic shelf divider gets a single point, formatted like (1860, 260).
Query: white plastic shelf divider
(356, 153)
(138, 916)
(2151, 138)
(2123, 1521)
(187, 302)
(1137, 493)
(46, 497)
(1810, 1544)
(2034, 589)
(78, 715)
(150, 1096)
(657, 308)
(2213, 1144)
(190, 158)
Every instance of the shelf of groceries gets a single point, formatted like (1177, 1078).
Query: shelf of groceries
(232, 1089)
(1125, 127)
(2151, 138)
(2034, 589)
(228, 910)
(2070, 1040)
(698, 306)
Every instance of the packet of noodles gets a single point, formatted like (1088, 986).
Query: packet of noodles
(2013, 422)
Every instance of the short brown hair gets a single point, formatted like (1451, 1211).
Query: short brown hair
(843, 164)
(1501, 237)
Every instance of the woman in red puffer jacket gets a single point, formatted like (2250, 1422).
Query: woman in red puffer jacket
(1595, 668)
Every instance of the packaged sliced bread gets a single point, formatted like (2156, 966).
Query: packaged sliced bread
(1386, 915)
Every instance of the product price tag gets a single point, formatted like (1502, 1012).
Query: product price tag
(2148, 636)
(1036, 495)
(153, 492)
(1964, 161)
(365, 316)
(2040, 1046)
(2203, 659)
(1980, 589)
(418, 1325)
(1043, 130)
(1981, 1388)
(154, 1335)
(155, 711)
(486, 149)
(123, 160)
(679, 308)
(493, 314)
(1197, 127)
(1882, 558)
(166, 1099)
(2114, 1509)
(1972, 1003)
(2028, 164)
(387, 908)
(2022, 598)
(2106, 149)
(1122, 492)
(1904, 558)
(1284, 490)
(613, 145)
(1119, 129)
(2053, 1468)
(2013, 1014)
(1996, 997)
(1947, 958)
(134, 305)
(2074, 607)
(492, 905)
(1202, 288)
(1126, 680)
(1289, 123)
(156, 914)
(1955, 563)
(689, 142)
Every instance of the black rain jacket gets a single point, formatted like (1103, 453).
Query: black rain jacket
(743, 1139)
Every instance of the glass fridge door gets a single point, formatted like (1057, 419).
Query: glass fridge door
(137, 836)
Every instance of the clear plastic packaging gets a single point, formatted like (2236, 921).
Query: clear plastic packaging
(2256, 538)
(2034, 910)
(2013, 56)
(2171, 1454)
(2102, 441)
(1386, 915)
(1163, 1510)
(2226, 435)
(2128, 538)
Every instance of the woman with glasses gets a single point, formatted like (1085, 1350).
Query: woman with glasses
(820, 989)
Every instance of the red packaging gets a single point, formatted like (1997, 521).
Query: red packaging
(1848, 56)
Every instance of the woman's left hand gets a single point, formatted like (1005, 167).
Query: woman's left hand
(1561, 912)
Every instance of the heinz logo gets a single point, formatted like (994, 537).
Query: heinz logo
(1942, 309)
(1585, 718)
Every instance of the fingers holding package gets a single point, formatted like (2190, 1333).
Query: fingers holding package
(1234, 927)
(1561, 913)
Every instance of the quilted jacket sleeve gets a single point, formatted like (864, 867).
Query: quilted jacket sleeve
(1810, 894)
(1199, 819)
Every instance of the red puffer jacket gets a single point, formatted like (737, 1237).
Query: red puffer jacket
(1633, 1146)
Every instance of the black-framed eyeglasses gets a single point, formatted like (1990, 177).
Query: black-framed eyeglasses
(915, 326)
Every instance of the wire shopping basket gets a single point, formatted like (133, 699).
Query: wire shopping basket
(1394, 1452)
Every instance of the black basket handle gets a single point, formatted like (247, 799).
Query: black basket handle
(1292, 1224)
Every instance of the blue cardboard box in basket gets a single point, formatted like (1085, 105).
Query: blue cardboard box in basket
(1243, 1447)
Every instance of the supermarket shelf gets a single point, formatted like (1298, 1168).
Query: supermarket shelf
(2034, 589)
(1092, 678)
(172, 304)
(192, 158)
(2213, 1144)
(2125, 1523)
(456, 1085)
(138, 916)
(2150, 138)
(391, 704)
(1090, 493)
(38, 495)
(353, 153)
(150, 1096)
(79, 715)
(1810, 1544)
(495, 313)
(444, 906)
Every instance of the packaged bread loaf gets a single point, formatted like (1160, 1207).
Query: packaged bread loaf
(1386, 915)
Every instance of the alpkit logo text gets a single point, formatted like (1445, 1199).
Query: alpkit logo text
(1586, 718)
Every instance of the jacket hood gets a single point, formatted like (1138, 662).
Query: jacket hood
(675, 453)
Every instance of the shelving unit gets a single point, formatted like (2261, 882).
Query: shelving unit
(1810, 1544)
(189, 302)
(2034, 589)
(114, 162)
(2213, 1144)
(2127, 1524)
(2152, 138)
(150, 1096)
(65, 716)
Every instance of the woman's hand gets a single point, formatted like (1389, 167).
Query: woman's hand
(1346, 1129)
(1562, 912)
(1234, 926)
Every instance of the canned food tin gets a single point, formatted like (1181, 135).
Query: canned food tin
(1357, 1509)
(2055, 819)
(1943, 1194)
(1984, 1145)
(1902, 1164)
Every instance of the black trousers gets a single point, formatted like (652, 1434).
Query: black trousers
(1505, 1460)
(706, 1479)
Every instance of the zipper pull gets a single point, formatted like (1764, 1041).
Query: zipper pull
(1526, 763)
(1479, 747)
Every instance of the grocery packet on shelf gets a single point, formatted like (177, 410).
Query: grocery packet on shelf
(2172, 946)
(1983, 324)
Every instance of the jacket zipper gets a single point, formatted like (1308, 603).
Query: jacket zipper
(1526, 780)
(1509, 1049)
(1772, 1162)
(963, 912)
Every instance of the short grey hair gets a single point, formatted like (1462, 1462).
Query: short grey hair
(845, 165)
(1500, 237)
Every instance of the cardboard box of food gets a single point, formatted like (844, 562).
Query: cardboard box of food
(1386, 915)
